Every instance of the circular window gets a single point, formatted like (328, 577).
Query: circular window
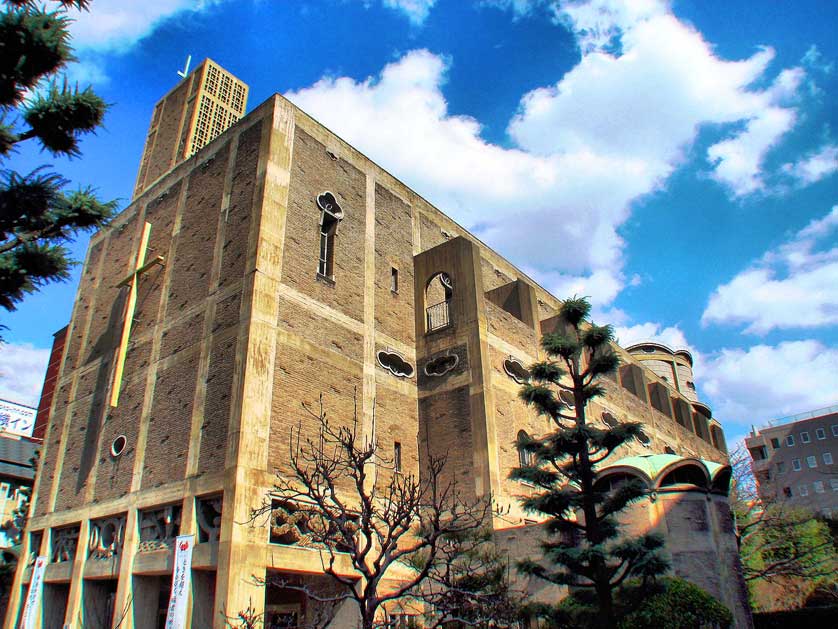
(118, 445)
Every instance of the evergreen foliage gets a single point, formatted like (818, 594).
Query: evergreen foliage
(585, 549)
(669, 603)
(37, 215)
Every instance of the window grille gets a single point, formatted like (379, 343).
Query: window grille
(439, 315)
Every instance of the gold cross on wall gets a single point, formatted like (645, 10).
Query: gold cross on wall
(140, 266)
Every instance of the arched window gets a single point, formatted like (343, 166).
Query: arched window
(717, 438)
(685, 475)
(438, 295)
(330, 216)
(525, 458)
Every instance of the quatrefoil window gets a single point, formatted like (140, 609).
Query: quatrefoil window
(395, 364)
(515, 369)
(442, 365)
(327, 202)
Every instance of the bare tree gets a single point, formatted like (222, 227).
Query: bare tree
(391, 532)
(777, 540)
(470, 585)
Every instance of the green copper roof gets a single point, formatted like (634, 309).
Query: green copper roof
(653, 464)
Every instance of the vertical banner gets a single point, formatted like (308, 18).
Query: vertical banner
(181, 580)
(33, 597)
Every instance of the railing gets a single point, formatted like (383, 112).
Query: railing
(438, 316)
(819, 412)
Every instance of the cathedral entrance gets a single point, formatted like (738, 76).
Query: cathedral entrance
(55, 604)
(203, 598)
(151, 601)
(289, 606)
(99, 602)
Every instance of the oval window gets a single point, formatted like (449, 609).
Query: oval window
(118, 445)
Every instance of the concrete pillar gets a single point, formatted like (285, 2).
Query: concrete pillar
(124, 603)
(74, 616)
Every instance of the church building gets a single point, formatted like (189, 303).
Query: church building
(264, 263)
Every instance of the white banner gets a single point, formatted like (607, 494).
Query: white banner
(181, 580)
(33, 597)
(17, 419)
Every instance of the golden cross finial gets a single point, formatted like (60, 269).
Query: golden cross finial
(140, 266)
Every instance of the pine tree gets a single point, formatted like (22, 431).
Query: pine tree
(586, 548)
(37, 215)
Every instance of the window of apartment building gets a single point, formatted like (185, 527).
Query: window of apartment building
(835, 430)
(803, 490)
(790, 440)
(775, 443)
(819, 487)
(833, 482)
(397, 456)
(804, 437)
(781, 467)
(827, 458)
(812, 460)
(787, 492)
(394, 279)
(820, 433)
(795, 465)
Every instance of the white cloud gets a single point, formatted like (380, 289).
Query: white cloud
(814, 166)
(671, 336)
(22, 369)
(416, 10)
(116, 25)
(795, 286)
(738, 161)
(644, 86)
(763, 382)
(610, 131)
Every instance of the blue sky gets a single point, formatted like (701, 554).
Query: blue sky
(675, 161)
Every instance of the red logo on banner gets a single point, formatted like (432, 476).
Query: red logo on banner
(184, 545)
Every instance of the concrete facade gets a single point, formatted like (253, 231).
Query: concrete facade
(415, 320)
(794, 461)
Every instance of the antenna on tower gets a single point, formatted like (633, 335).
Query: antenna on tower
(186, 69)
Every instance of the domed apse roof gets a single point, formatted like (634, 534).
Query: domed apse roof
(637, 349)
(653, 468)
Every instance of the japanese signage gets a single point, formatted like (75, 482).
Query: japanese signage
(33, 597)
(181, 579)
(17, 419)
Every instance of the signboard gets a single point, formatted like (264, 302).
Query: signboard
(33, 597)
(181, 579)
(17, 419)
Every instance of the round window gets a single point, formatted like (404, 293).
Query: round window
(118, 445)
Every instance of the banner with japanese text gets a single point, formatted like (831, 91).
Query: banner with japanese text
(33, 597)
(181, 580)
